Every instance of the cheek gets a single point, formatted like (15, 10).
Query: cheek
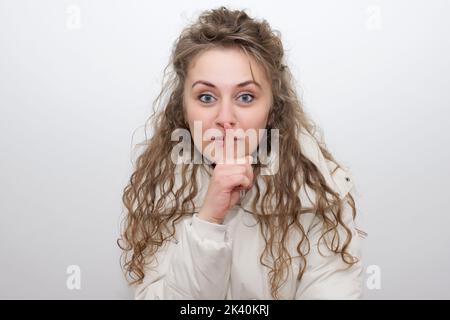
(254, 120)
(199, 121)
(196, 113)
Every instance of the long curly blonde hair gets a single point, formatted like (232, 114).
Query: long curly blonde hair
(149, 223)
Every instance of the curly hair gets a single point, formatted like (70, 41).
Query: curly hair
(149, 222)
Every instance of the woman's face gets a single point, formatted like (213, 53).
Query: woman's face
(219, 93)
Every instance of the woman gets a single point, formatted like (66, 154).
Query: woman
(274, 225)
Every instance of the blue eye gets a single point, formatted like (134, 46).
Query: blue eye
(204, 95)
(249, 95)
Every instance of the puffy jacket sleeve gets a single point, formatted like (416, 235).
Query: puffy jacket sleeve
(196, 265)
(328, 276)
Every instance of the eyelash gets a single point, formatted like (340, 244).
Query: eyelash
(244, 94)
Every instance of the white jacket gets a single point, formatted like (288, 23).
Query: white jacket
(212, 261)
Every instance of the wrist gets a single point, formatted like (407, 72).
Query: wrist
(202, 215)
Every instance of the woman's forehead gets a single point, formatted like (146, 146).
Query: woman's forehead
(224, 67)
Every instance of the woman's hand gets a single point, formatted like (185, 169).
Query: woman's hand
(227, 180)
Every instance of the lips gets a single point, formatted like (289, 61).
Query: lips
(222, 138)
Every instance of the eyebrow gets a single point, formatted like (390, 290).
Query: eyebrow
(243, 84)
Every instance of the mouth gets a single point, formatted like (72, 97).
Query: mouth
(222, 138)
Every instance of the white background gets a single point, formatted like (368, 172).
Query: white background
(374, 75)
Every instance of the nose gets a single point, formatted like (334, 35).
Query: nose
(226, 118)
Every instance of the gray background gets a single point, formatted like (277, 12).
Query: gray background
(373, 74)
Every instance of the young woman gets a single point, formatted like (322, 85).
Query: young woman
(274, 225)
